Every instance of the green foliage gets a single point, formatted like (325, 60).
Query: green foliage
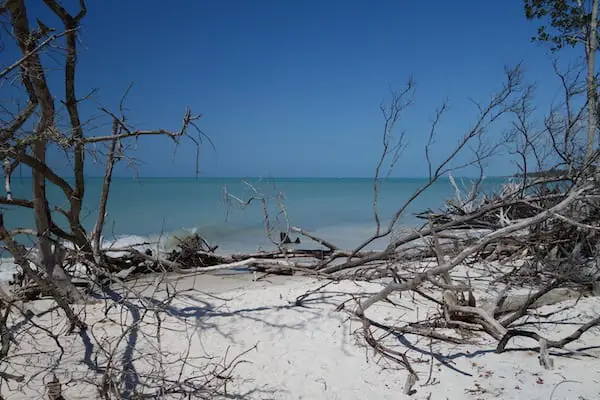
(566, 21)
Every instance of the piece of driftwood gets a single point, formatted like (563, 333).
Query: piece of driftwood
(514, 302)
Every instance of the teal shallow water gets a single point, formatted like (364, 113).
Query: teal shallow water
(338, 209)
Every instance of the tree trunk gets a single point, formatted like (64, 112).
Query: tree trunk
(32, 71)
(590, 53)
(76, 200)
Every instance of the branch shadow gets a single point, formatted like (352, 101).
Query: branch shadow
(129, 375)
(28, 317)
(205, 310)
(442, 359)
(199, 309)
(88, 352)
(447, 360)
(553, 352)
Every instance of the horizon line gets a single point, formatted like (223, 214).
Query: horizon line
(275, 177)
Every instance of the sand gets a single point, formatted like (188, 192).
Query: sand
(308, 351)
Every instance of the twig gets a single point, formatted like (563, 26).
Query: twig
(323, 242)
(550, 343)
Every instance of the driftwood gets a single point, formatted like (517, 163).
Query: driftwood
(440, 239)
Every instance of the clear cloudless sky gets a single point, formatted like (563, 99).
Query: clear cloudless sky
(292, 88)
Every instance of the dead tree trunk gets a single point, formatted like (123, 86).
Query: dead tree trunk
(591, 46)
(37, 87)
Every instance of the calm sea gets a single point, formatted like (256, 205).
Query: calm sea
(339, 210)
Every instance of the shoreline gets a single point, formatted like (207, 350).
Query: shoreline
(166, 243)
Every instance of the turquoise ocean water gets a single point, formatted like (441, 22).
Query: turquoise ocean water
(339, 210)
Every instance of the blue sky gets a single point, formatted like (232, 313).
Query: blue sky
(292, 88)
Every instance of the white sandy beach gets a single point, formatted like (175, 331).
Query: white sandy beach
(310, 351)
